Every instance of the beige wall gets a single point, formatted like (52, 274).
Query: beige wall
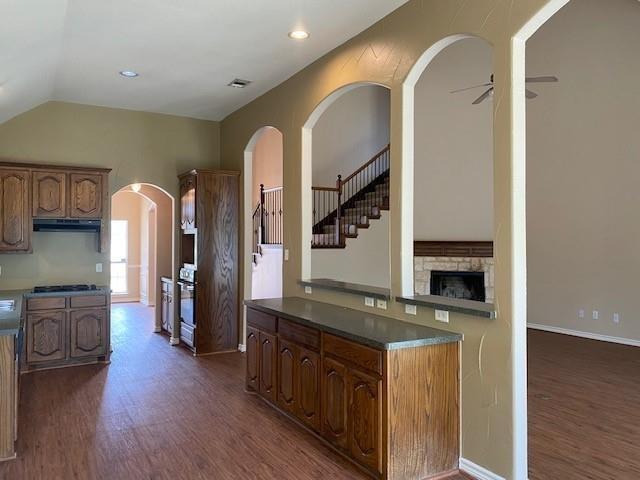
(130, 206)
(139, 147)
(493, 352)
(267, 162)
(349, 133)
(583, 169)
(453, 180)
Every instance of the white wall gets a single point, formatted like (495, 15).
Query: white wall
(453, 193)
(349, 133)
(365, 260)
(266, 276)
(583, 167)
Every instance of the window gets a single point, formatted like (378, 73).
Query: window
(119, 242)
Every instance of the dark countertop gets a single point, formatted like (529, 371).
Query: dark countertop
(101, 290)
(382, 333)
(468, 307)
(355, 288)
(10, 319)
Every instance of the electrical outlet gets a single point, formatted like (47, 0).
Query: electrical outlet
(580, 313)
(595, 315)
(98, 268)
(442, 316)
(381, 304)
(286, 254)
(369, 302)
(410, 309)
(616, 318)
(308, 290)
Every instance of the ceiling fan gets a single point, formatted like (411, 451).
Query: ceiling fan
(489, 92)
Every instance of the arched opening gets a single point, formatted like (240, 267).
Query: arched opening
(345, 187)
(142, 260)
(264, 216)
(575, 146)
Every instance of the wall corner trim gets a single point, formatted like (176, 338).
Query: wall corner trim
(589, 335)
(478, 472)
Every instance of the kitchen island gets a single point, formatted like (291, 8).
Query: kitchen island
(381, 392)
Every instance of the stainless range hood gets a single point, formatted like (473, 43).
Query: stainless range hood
(65, 225)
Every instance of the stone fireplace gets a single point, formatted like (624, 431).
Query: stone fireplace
(428, 268)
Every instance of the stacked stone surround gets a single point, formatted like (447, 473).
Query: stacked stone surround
(422, 267)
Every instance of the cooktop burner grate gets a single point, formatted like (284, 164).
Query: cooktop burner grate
(63, 288)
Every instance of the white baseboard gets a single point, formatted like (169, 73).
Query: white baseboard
(174, 341)
(124, 299)
(591, 336)
(242, 347)
(475, 470)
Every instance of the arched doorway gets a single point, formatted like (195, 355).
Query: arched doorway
(142, 253)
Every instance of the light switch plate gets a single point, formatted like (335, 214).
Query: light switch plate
(98, 268)
(381, 304)
(410, 309)
(595, 315)
(369, 302)
(616, 318)
(442, 316)
(308, 290)
(286, 254)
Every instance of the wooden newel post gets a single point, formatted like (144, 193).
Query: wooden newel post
(261, 237)
(339, 232)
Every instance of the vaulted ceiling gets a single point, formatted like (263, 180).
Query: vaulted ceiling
(185, 51)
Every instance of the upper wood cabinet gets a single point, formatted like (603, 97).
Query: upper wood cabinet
(15, 210)
(188, 202)
(49, 194)
(86, 195)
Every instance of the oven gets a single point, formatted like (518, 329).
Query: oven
(187, 306)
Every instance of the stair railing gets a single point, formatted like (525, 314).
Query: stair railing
(357, 193)
(267, 219)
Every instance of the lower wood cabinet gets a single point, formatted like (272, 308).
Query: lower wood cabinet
(71, 331)
(334, 387)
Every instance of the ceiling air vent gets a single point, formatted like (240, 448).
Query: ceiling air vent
(239, 83)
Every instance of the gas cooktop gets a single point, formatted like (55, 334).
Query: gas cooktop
(64, 288)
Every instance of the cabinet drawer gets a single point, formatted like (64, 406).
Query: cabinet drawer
(260, 320)
(299, 334)
(355, 353)
(88, 301)
(48, 303)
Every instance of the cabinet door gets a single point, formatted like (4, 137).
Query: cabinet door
(88, 333)
(46, 337)
(308, 376)
(287, 373)
(365, 415)
(15, 213)
(268, 366)
(164, 311)
(335, 398)
(188, 203)
(169, 313)
(49, 194)
(252, 344)
(86, 195)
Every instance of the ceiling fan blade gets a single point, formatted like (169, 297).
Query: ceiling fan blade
(530, 94)
(483, 97)
(541, 79)
(470, 88)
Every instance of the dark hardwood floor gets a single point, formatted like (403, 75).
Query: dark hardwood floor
(584, 409)
(159, 413)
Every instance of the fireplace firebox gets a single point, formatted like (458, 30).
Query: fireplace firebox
(464, 285)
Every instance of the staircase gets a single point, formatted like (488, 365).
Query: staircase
(267, 221)
(340, 211)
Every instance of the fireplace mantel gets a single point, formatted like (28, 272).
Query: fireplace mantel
(473, 249)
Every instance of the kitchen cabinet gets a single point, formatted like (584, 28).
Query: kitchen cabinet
(88, 332)
(188, 202)
(66, 330)
(393, 412)
(15, 210)
(166, 305)
(49, 190)
(86, 195)
(46, 339)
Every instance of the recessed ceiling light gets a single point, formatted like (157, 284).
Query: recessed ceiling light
(299, 34)
(239, 83)
(129, 73)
